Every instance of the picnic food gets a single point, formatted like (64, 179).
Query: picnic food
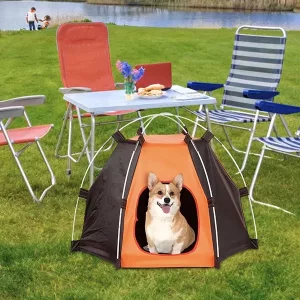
(156, 86)
(151, 90)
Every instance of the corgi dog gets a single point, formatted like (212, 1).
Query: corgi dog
(167, 230)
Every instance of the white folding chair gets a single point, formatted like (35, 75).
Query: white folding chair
(257, 61)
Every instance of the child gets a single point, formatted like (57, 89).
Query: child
(31, 17)
(46, 22)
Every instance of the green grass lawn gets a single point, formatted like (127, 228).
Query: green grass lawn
(35, 258)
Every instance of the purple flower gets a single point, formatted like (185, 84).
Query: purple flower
(126, 69)
(130, 74)
(119, 66)
(137, 74)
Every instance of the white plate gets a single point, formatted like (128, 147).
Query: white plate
(152, 97)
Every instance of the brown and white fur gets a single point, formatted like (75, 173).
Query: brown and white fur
(167, 230)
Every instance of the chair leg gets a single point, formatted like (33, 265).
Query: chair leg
(92, 149)
(84, 139)
(68, 118)
(250, 142)
(53, 180)
(251, 190)
(285, 125)
(247, 152)
(69, 152)
(234, 148)
(70, 157)
(61, 133)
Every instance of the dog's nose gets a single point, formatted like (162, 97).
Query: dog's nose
(167, 200)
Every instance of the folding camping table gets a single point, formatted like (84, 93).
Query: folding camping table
(97, 103)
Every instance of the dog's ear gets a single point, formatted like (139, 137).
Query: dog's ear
(152, 181)
(178, 181)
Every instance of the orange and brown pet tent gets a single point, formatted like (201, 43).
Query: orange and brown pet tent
(116, 204)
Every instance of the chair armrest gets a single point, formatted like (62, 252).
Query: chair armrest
(204, 86)
(120, 85)
(276, 108)
(259, 94)
(24, 101)
(11, 112)
(74, 89)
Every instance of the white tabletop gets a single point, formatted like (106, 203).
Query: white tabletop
(104, 102)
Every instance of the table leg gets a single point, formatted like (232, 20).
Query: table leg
(69, 151)
(92, 153)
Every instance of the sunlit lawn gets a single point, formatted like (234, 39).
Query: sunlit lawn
(35, 258)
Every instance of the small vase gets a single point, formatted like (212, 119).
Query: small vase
(129, 89)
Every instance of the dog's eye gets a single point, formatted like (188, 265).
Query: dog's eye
(159, 192)
(172, 194)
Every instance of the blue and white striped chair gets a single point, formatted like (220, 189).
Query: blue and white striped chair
(256, 64)
(286, 145)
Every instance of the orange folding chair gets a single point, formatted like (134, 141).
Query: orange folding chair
(10, 109)
(84, 57)
(157, 73)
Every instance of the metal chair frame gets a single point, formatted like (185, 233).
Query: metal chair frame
(10, 109)
(78, 38)
(255, 114)
(278, 109)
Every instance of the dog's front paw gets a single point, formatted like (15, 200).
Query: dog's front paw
(177, 248)
(152, 250)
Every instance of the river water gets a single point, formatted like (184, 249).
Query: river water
(12, 15)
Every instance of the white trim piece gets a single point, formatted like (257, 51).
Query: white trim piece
(123, 194)
(129, 165)
(204, 169)
(211, 195)
(119, 233)
(74, 219)
(216, 230)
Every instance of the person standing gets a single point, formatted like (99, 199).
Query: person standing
(31, 18)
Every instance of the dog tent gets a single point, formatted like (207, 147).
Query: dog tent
(114, 222)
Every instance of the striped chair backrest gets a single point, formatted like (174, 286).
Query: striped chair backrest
(256, 64)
